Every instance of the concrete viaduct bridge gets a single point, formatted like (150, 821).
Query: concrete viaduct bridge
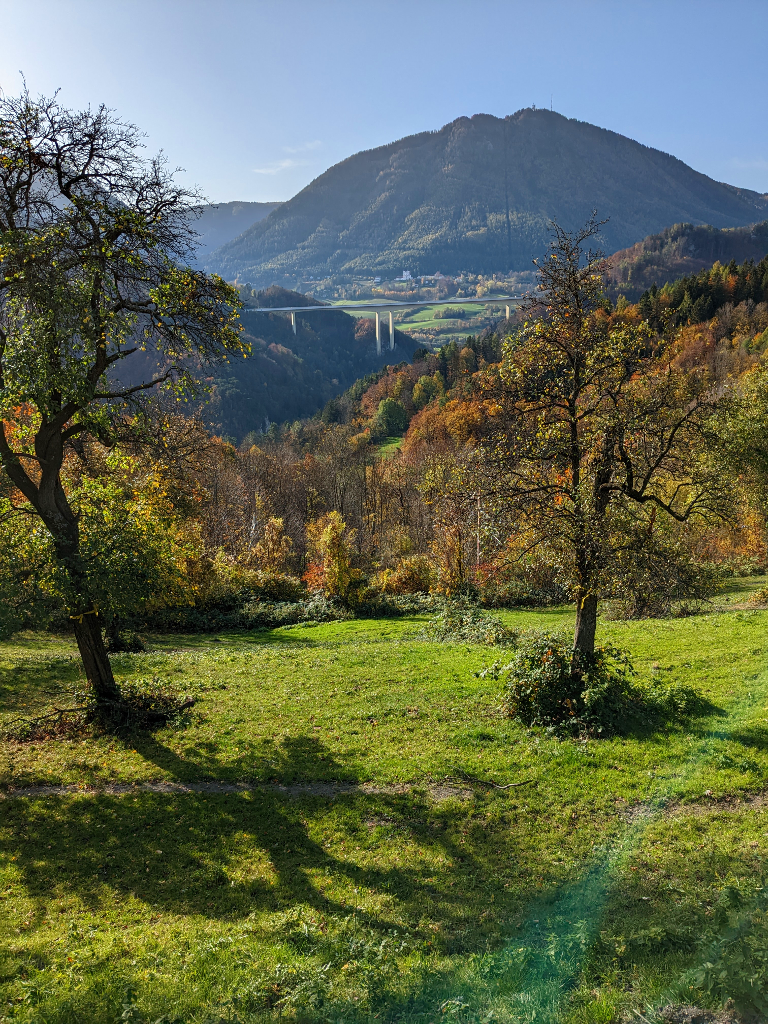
(382, 307)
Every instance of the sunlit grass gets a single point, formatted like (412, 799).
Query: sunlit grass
(391, 901)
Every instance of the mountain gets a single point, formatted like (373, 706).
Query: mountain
(477, 195)
(221, 222)
(289, 376)
(682, 250)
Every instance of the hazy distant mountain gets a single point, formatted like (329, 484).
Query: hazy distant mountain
(679, 251)
(478, 195)
(221, 222)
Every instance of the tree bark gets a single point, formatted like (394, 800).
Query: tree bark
(586, 625)
(98, 670)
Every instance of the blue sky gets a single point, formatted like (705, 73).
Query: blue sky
(255, 99)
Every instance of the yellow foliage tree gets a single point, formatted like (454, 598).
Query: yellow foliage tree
(330, 545)
(273, 549)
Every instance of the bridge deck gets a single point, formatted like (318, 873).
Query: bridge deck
(385, 307)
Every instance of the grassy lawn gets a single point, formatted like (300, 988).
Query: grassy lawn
(411, 892)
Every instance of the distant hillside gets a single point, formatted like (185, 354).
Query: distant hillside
(287, 376)
(679, 251)
(478, 195)
(221, 222)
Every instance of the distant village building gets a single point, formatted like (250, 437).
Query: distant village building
(406, 276)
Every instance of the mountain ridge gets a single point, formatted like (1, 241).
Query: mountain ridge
(478, 195)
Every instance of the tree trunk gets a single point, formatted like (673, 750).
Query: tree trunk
(65, 530)
(98, 670)
(49, 500)
(586, 626)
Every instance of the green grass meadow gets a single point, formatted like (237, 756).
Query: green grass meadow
(370, 872)
(420, 318)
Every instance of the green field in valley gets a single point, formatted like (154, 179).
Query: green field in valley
(323, 839)
(418, 320)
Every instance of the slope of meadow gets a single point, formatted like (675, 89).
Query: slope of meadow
(365, 867)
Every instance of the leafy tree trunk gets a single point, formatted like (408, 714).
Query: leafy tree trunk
(84, 614)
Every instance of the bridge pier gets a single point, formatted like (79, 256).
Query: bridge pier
(391, 331)
(378, 334)
(293, 322)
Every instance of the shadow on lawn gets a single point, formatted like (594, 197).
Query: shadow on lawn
(199, 849)
(754, 736)
(295, 759)
(280, 636)
(32, 681)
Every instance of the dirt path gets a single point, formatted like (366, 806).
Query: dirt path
(436, 791)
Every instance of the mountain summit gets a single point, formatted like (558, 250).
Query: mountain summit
(478, 195)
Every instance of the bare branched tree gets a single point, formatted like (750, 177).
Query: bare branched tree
(602, 427)
(94, 240)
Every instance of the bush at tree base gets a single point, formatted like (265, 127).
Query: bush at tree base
(143, 704)
(599, 695)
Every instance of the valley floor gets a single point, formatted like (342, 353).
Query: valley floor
(322, 839)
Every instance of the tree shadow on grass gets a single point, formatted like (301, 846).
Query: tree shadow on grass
(755, 737)
(231, 855)
(652, 722)
(294, 759)
(295, 635)
(30, 682)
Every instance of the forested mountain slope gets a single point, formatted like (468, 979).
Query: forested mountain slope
(478, 195)
(288, 376)
(681, 250)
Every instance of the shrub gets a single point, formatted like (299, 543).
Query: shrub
(412, 575)
(331, 569)
(222, 581)
(274, 548)
(253, 614)
(520, 582)
(599, 696)
(144, 703)
(381, 606)
(733, 953)
(521, 593)
(276, 586)
(652, 581)
(123, 641)
(463, 623)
